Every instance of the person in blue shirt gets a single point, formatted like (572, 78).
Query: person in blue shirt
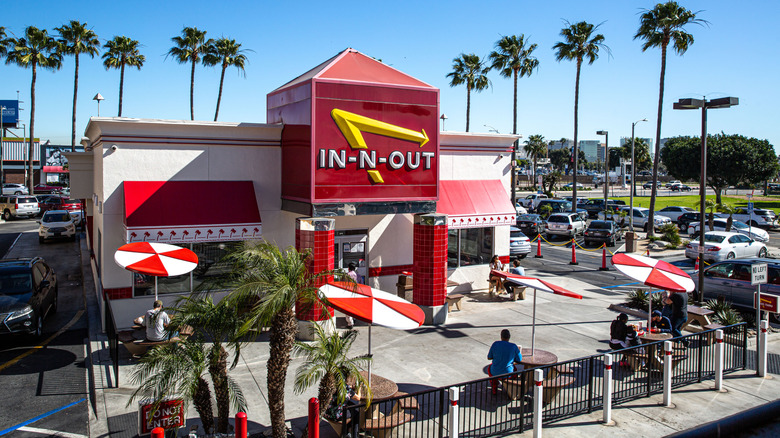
(503, 354)
(510, 288)
(661, 323)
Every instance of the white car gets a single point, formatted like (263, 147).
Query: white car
(722, 245)
(674, 212)
(519, 243)
(719, 224)
(519, 209)
(56, 224)
(760, 217)
(565, 224)
(77, 217)
(641, 215)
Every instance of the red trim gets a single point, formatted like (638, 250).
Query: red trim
(475, 203)
(454, 402)
(607, 367)
(204, 141)
(505, 259)
(668, 353)
(719, 341)
(539, 383)
(390, 270)
(118, 293)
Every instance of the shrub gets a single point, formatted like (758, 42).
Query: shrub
(671, 234)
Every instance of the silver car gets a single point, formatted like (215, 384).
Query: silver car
(730, 280)
(16, 206)
(722, 245)
(519, 243)
(564, 224)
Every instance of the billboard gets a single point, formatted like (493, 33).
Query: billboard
(10, 112)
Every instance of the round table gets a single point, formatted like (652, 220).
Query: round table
(539, 358)
(654, 337)
(381, 388)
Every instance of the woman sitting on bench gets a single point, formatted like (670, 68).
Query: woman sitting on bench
(493, 281)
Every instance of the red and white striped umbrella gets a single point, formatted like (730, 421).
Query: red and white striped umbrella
(373, 305)
(535, 284)
(653, 273)
(156, 259)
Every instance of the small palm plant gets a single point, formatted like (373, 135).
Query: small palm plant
(637, 299)
(729, 210)
(326, 361)
(710, 206)
(671, 234)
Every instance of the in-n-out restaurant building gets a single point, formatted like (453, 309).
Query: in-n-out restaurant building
(350, 164)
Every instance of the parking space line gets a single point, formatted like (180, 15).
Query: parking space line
(39, 417)
(49, 432)
(42, 344)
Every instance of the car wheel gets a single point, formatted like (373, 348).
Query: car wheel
(55, 302)
(774, 318)
(730, 256)
(17, 192)
(38, 327)
(762, 253)
(522, 256)
(683, 228)
(7, 215)
(753, 223)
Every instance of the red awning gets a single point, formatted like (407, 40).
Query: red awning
(55, 169)
(473, 204)
(190, 211)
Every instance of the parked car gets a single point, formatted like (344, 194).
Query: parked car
(519, 243)
(730, 280)
(686, 219)
(56, 224)
(680, 188)
(18, 206)
(61, 203)
(531, 201)
(671, 183)
(571, 186)
(603, 232)
(564, 224)
(641, 216)
(649, 185)
(644, 173)
(43, 188)
(28, 294)
(560, 206)
(674, 212)
(519, 209)
(595, 205)
(530, 224)
(760, 217)
(15, 189)
(722, 245)
(719, 224)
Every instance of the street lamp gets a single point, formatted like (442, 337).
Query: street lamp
(491, 129)
(633, 178)
(704, 104)
(606, 168)
(98, 98)
(443, 117)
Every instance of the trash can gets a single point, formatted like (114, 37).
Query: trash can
(630, 241)
(404, 286)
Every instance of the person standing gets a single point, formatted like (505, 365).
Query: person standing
(503, 355)
(156, 321)
(679, 303)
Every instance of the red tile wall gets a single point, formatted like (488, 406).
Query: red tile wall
(321, 245)
(430, 264)
(118, 293)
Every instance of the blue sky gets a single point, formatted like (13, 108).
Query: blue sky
(735, 55)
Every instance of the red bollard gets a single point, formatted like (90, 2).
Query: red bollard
(696, 268)
(240, 425)
(573, 252)
(314, 418)
(158, 432)
(604, 259)
(539, 247)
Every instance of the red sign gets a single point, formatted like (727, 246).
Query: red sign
(769, 303)
(168, 415)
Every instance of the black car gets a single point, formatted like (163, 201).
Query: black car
(680, 188)
(603, 232)
(28, 294)
(530, 224)
(685, 219)
(595, 205)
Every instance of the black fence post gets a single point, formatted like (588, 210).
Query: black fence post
(745, 346)
(522, 404)
(591, 376)
(700, 339)
(443, 407)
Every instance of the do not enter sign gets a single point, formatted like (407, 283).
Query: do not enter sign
(168, 415)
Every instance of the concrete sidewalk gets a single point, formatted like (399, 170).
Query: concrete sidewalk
(431, 357)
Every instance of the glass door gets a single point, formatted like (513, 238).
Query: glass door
(351, 246)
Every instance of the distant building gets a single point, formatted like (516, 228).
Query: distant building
(592, 149)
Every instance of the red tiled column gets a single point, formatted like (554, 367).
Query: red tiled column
(316, 235)
(430, 266)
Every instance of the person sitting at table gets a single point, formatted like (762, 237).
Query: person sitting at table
(503, 355)
(510, 288)
(494, 281)
(660, 323)
(156, 321)
(622, 336)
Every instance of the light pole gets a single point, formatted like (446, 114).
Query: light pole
(633, 178)
(704, 104)
(98, 98)
(443, 116)
(606, 168)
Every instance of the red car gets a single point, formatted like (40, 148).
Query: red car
(42, 188)
(60, 203)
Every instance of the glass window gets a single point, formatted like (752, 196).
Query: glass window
(469, 246)
(720, 271)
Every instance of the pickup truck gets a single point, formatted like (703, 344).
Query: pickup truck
(532, 201)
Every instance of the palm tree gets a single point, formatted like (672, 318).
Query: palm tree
(658, 27)
(176, 369)
(221, 324)
(227, 52)
(35, 49)
(122, 51)
(535, 147)
(273, 280)
(513, 59)
(469, 70)
(326, 361)
(3, 42)
(190, 47)
(579, 42)
(77, 39)
(729, 210)
(710, 206)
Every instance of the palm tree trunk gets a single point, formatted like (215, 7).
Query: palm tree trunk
(514, 107)
(219, 96)
(192, 91)
(656, 158)
(576, 126)
(218, 371)
(468, 106)
(281, 341)
(326, 391)
(121, 87)
(30, 183)
(75, 94)
(202, 402)
(534, 170)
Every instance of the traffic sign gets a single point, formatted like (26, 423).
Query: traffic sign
(769, 303)
(758, 273)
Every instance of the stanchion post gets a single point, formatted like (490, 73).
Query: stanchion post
(538, 402)
(241, 426)
(158, 432)
(539, 247)
(667, 373)
(573, 252)
(604, 258)
(607, 389)
(762, 348)
(314, 418)
(453, 426)
(718, 360)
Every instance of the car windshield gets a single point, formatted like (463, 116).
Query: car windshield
(56, 217)
(739, 225)
(528, 217)
(599, 225)
(15, 283)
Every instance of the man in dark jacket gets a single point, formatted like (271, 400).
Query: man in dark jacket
(661, 323)
(679, 304)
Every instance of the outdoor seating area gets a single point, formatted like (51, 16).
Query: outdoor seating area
(136, 344)
(700, 317)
